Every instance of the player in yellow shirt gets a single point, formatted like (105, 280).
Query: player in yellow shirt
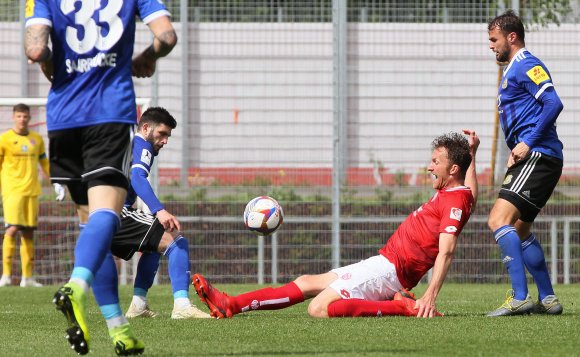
(21, 150)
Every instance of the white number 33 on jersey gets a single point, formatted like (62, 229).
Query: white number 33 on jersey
(93, 34)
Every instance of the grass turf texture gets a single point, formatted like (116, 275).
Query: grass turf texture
(30, 326)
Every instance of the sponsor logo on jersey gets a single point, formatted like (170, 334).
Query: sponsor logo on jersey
(538, 75)
(526, 193)
(345, 294)
(83, 65)
(29, 9)
(450, 229)
(507, 180)
(504, 84)
(455, 213)
(146, 157)
(346, 276)
(24, 148)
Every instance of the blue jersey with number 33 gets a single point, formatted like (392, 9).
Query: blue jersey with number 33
(92, 44)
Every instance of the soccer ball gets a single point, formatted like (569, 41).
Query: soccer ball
(263, 215)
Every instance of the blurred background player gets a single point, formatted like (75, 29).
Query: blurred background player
(528, 107)
(91, 111)
(21, 151)
(378, 286)
(153, 233)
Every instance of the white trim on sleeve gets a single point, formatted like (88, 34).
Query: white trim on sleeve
(38, 21)
(544, 87)
(156, 15)
(140, 167)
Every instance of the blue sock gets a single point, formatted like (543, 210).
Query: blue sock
(512, 257)
(106, 291)
(94, 243)
(146, 270)
(536, 265)
(178, 255)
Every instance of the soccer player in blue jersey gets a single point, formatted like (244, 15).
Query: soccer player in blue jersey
(528, 107)
(90, 116)
(145, 232)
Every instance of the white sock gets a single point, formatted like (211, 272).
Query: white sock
(181, 303)
(139, 301)
(82, 283)
(116, 322)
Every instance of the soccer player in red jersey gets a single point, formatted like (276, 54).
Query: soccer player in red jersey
(379, 286)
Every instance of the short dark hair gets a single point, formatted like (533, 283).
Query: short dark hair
(157, 115)
(508, 22)
(21, 108)
(457, 148)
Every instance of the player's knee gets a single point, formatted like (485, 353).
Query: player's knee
(302, 280)
(494, 221)
(166, 240)
(317, 309)
(11, 231)
(307, 284)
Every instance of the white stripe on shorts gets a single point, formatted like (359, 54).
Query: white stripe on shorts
(526, 172)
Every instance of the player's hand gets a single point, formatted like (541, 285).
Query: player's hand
(473, 140)
(426, 308)
(46, 67)
(59, 191)
(169, 222)
(518, 153)
(143, 66)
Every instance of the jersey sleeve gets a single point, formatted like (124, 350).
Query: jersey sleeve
(534, 77)
(42, 158)
(150, 10)
(142, 160)
(37, 12)
(142, 155)
(455, 211)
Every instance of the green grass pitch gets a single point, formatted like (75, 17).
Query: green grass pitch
(30, 326)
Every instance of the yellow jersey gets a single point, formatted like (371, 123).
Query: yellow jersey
(19, 159)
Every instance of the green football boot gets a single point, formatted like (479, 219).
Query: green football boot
(70, 299)
(126, 344)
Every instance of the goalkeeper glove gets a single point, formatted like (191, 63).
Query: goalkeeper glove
(59, 190)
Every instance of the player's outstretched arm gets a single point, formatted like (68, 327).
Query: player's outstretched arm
(426, 304)
(471, 174)
(37, 50)
(164, 41)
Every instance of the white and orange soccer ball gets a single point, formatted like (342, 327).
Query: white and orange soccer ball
(263, 215)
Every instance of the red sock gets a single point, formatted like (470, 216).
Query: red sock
(268, 298)
(359, 307)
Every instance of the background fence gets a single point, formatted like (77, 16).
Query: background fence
(330, 107)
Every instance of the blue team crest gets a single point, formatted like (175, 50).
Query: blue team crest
(504, 84)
